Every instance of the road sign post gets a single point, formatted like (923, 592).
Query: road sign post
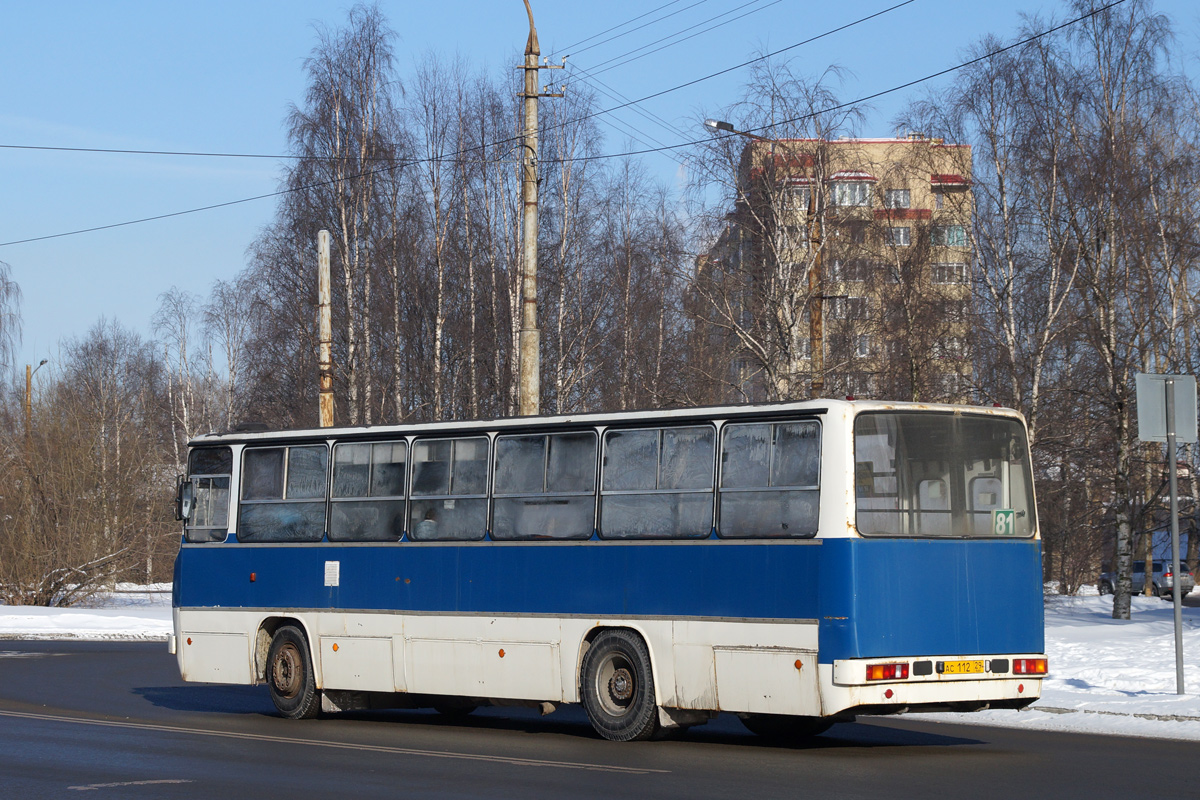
(1167, 411)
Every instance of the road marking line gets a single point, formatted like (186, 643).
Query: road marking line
(93, 786)
(521, 762)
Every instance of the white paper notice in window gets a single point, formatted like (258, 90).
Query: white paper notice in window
(333, 573)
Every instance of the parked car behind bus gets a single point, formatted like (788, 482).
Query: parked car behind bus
(1163, 581)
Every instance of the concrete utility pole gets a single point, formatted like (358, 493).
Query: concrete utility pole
(324, 332)
(816, 306)
(529, 378)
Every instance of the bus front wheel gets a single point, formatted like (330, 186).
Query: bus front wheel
(618, 687)
(290, 675)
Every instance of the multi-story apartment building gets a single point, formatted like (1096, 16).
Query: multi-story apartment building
(844, 268)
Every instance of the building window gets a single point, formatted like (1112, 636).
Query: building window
(852, 193)
(939, 200)
(798, 198)
(899, 237)
(850, 270)
(897, 198)
(862, 345)
(948, 236)
(954, 347)
(848, 307)
(951, 272)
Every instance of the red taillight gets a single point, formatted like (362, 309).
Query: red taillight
(1029, 666)
(887, 672)
(1166, 574)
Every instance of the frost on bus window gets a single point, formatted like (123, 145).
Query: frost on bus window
(306, 473)
(520, 464)
(281, 522)
(262, 474)
(687, 458)
(368, 492)
(770, 477)
(658, 483)
(449, 492)
(367, 521)
(571, 466)
(630, 460)
(283, 494)
(656, 516)
(351, 470)
(545, 486)
(797, 455)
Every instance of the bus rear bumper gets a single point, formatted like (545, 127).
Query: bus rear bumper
(872, 686)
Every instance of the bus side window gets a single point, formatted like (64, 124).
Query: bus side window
(368, 492)
(770, 479)
(545, 486)
(449, 490)
(658, 483)
(283, 494)
(209, 469)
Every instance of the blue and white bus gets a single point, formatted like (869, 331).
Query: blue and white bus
(797, 564)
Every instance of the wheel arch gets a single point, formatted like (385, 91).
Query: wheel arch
(596, 630)
(262, 645)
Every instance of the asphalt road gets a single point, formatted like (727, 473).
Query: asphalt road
(113, 720)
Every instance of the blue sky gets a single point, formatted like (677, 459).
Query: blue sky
(219, 76)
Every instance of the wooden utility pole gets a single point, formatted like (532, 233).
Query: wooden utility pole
(29, 370)
(324, 332)
(529, 373)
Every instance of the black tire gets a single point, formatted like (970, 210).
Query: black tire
(290, 675)
(784, 728)
(617, 685)
(1105, 587)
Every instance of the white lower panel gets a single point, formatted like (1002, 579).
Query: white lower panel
(355, 663)
(214, 657)
(767, 680)
(698, 664)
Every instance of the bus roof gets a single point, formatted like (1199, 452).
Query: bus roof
(807, 407)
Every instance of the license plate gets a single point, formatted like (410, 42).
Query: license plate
(961, 667)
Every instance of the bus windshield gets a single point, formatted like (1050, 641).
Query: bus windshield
(939, 475)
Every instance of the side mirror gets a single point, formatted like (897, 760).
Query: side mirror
(184, 498)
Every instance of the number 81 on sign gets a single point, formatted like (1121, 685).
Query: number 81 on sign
(1004, 522)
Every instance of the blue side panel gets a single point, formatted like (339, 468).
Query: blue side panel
(721, 579)
(890, 597)
(872, 597)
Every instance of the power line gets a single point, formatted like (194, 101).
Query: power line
(590, 115)
(865, 98)
(661, 149)
(571, 48)
(621, 57)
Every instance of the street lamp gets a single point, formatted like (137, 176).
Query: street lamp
(29, 373)
(816, 332)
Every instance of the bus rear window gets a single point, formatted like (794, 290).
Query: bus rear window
(932, 475)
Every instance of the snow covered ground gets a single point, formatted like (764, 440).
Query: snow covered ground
(1106, 675)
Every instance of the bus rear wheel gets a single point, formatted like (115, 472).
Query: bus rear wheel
(783, 727)
(290, 675)
(618, 687)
